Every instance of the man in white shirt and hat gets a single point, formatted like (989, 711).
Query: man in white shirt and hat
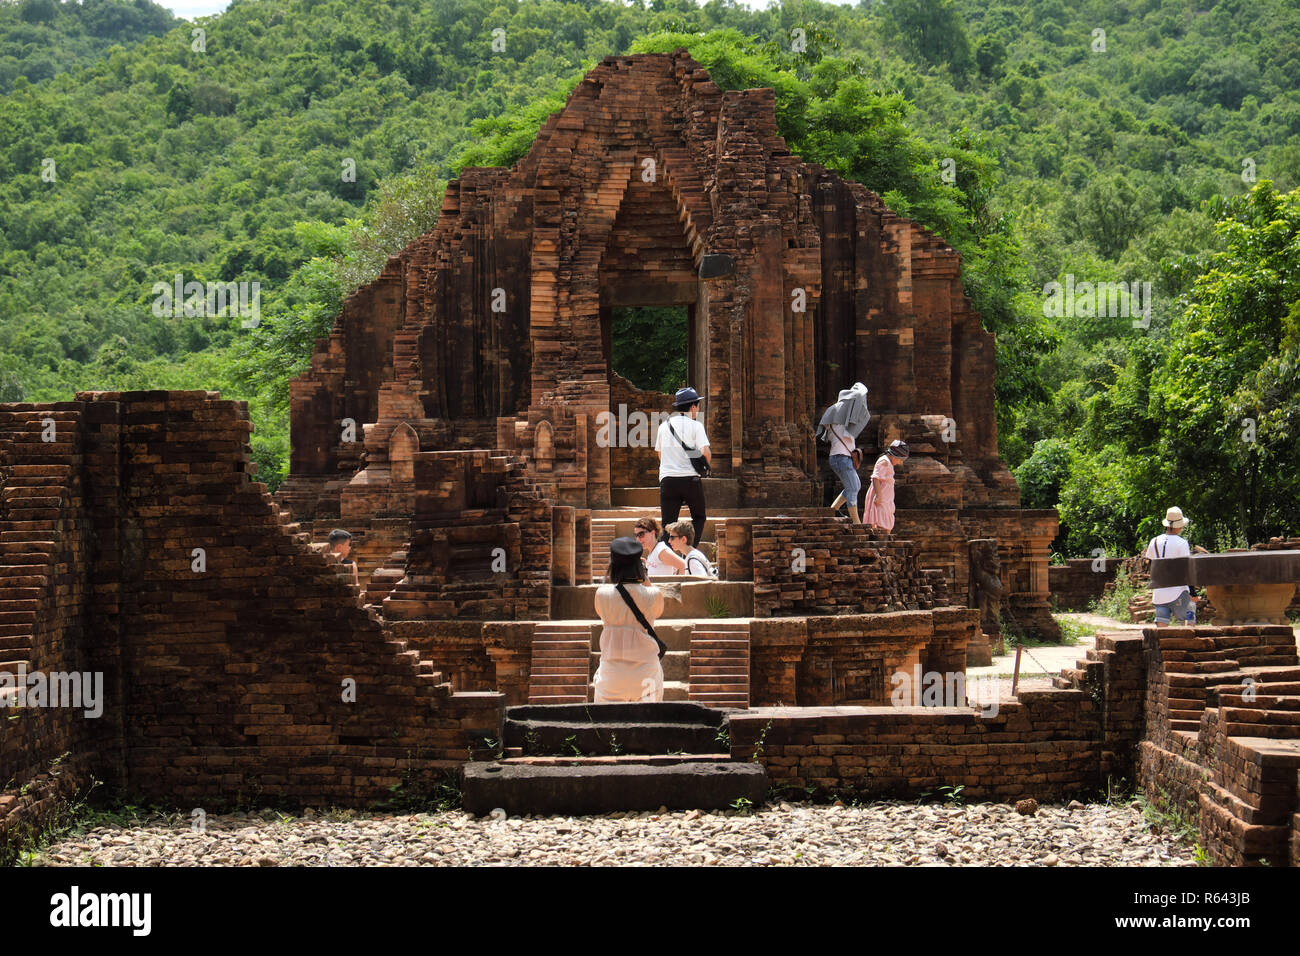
(1172, 603)
(683, 455)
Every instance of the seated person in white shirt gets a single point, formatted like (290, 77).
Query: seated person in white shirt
(680, 536)
(660, 559)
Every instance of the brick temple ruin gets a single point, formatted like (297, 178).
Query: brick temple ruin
(452, 423)
(476, 369)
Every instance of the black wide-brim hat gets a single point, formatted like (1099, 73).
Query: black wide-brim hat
(625, 551)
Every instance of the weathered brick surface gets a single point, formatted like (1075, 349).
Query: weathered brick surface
(1223, 735)
(493, 330)
(222, 680)
(1079, 582)
(1044, 746)
(825, 565)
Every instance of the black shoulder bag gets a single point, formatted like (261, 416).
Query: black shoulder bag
(640, 619)
(697, 458)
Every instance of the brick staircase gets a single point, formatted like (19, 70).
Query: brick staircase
(603, 533)
(35, 494)
(380, 584)
(561, 665)
(720, 664)
(1071, 678)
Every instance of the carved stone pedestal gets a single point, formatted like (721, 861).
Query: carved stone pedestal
(1251, 603)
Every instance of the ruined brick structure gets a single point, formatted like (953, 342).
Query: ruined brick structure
(452, 422)
(1080, 582)
(653, 187)
(136, 547)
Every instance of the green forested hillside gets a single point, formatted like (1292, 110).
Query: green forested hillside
(1043, 148)
(39, 38)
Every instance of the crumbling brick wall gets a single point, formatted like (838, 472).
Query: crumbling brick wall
(1222, 718)
(481, 542)
(46, 538)
(1080, 582)
(1043, 746)
(824, 565)
(237, 663)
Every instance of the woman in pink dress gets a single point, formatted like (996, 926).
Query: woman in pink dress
(878, 510)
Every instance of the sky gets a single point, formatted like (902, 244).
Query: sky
(189, 9)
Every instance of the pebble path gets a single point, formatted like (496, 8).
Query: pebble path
(883, 833)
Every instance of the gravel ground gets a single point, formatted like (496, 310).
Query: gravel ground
(882, 833)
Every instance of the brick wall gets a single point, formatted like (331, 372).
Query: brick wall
(1045, 746)
(825, 565)
(1076, 584)
(1222, 721)
(223, 680)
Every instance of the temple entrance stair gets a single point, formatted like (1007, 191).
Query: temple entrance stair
(602, 758)
(707, 660)
(720, 664)
(561, 664)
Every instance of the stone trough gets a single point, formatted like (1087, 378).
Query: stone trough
(1247, 587)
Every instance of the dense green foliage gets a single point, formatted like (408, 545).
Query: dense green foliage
(39, 38)
(646, 347)
(1044, 149)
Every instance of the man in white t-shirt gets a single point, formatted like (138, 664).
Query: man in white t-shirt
(1172, 603)
(680, 438)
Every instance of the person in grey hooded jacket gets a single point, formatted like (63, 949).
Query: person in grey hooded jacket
(841, 425)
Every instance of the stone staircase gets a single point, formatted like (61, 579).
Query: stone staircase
(720, 664)
(561, 664)
(602, 758)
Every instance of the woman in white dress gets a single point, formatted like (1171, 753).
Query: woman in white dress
(660, 560)
(629, 657)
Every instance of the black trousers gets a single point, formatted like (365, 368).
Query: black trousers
(675, 492)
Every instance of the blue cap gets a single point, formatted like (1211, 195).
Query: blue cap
(685, 398)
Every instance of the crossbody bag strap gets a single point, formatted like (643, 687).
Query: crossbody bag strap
(708, 571)
(688, 449)
(640, 618)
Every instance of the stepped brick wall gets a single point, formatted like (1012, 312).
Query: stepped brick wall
(825, 565)
(1222, 738)
(46, 537)
(224, 680)
(1078, 583)
(1048, 744)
